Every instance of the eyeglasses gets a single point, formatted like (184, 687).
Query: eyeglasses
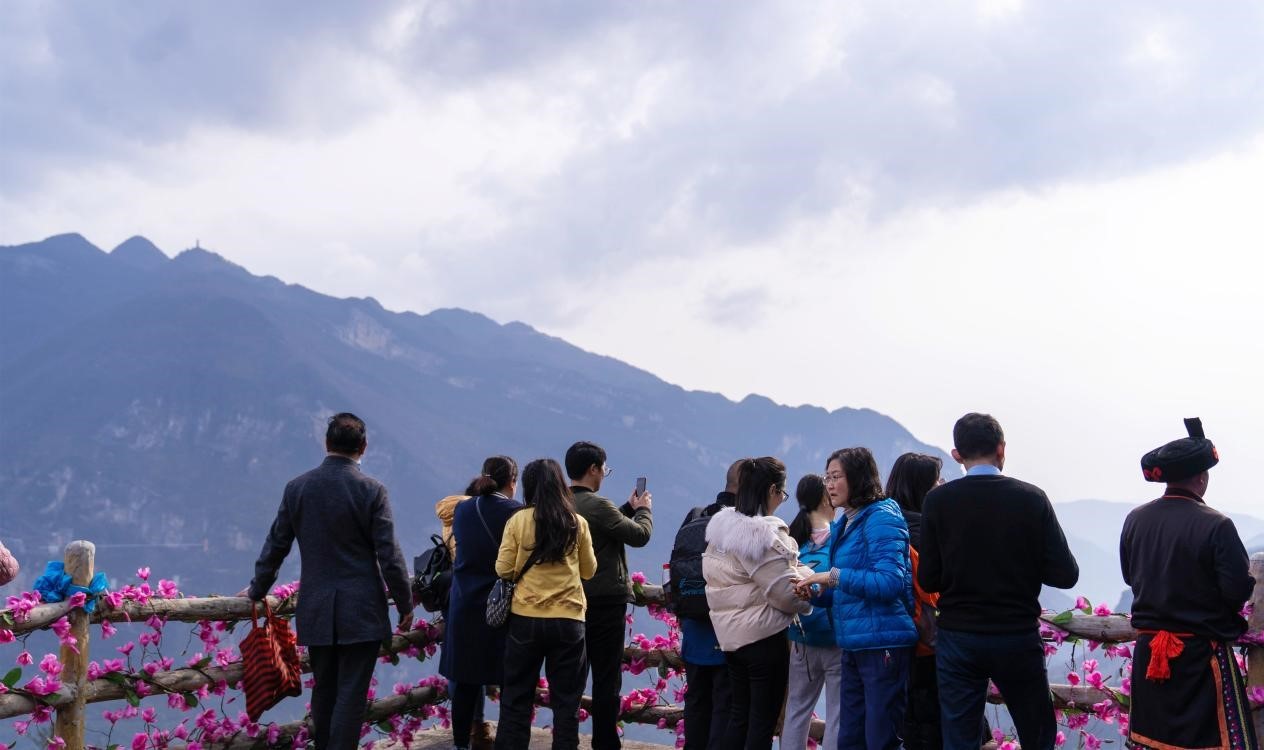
(832, 478)
(606, 471)
(784, 495)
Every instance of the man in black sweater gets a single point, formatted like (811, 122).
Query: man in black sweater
(988, 544)
(1190, 576)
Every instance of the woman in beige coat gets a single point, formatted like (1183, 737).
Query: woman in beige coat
(751, 566)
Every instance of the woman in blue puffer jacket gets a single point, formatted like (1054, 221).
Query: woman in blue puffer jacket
(869, 589)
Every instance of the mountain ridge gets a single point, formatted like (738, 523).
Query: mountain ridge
(171, 398)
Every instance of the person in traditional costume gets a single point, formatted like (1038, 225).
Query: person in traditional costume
(1190, 578)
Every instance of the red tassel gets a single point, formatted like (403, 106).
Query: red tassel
(1163, 646)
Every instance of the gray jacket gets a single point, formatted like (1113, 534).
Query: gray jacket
(346, 536)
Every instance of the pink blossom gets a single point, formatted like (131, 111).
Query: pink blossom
(25, 659)
(1059, 739)
(149, 715)
(143, 573)
(139, 740)
(50, 666)
(1077, 721)
(40, 686)
(21, 726)
(1073, 679)
(1091, 742)
(1255, 695)
(107, 629)
(1101, 610)
(1083, 604)
(167, 589)
(77, 599)
(126, 648)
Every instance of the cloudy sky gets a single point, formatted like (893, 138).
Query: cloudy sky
(1049, 211)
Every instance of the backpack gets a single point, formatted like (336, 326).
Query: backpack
(689, 589)
(432, 575)
(925, 607)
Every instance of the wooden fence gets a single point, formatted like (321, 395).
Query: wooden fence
(69, 703)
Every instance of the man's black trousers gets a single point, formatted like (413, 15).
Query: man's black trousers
(342, 674)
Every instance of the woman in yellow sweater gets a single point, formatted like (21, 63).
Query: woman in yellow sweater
(546, 622)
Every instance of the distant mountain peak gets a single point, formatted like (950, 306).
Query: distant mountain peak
(70, 246)
(201, 259)
(139, 252)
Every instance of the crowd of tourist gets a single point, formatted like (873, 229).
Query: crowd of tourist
(901, 602)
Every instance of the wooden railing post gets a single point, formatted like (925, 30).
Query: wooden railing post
(80, 560)
(1255, 654)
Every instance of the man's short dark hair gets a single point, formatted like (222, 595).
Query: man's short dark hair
(977, 435)
(346, 434)
(582, 455)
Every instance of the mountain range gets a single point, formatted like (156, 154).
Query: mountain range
(157, 406)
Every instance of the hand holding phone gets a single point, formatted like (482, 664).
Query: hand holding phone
(641, 498)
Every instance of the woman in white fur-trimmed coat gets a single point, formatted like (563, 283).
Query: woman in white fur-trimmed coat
(751, 566)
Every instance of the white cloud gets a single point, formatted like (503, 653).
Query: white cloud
(834, 205)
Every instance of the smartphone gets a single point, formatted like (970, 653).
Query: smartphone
(640, 486)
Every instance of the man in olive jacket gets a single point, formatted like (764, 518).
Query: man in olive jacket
(609, 591)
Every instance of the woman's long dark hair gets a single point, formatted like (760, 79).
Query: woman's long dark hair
(864, 483)
(753, 481)
(498, 473)
(810, 494)
(912, 476)
(556, 528)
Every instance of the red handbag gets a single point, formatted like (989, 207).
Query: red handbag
(269, 656)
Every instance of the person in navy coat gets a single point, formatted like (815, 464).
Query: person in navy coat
(474, 652)
(345, 530)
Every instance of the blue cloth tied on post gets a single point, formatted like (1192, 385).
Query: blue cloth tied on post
(56, 585)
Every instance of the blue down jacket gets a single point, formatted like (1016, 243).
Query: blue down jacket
(873, 604)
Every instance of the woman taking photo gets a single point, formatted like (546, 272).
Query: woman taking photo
(912, 476)
(473, 653)
(870, 591)
(750, 566)
(815, 659)
(546, 621)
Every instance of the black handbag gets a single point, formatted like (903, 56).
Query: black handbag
(500, 599)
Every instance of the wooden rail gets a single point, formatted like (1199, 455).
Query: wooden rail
(77, 691)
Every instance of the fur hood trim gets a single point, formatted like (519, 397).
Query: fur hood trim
(750, 538)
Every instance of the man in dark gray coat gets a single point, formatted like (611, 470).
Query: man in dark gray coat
(346, 535)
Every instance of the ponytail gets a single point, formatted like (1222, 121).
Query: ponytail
(498, 473)
(810, 493)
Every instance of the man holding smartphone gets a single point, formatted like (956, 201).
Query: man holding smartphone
(610, 589)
